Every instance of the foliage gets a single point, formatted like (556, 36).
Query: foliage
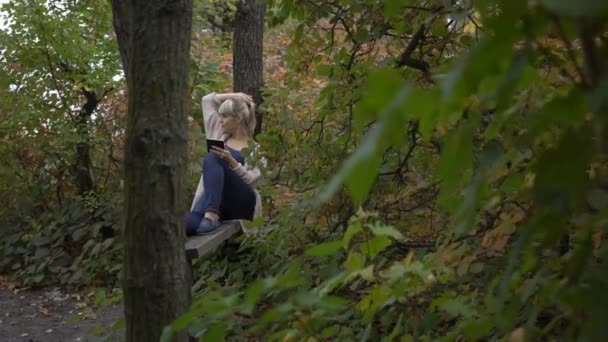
(437, 170)
(485, 121)
(62, 131)
(71, 245)
(55, 57)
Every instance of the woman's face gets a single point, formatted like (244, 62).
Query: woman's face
(230, 123)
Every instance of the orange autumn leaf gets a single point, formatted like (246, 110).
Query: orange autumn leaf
(518, 216)
(501, 242)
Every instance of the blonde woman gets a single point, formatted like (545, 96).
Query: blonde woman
(226, 190)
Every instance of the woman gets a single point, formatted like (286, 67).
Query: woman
(227, 187)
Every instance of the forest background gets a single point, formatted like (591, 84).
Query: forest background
(436, 169)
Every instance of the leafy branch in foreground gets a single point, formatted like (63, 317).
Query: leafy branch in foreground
(511, 119)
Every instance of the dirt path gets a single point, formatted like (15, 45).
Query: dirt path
(51, 315)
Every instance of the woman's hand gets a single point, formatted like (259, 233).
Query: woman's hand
(237, 96)
(225, 155)
(246, 97)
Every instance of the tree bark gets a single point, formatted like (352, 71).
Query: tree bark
(82, 163)
(156, 51)
(121, 20)
(248, 63)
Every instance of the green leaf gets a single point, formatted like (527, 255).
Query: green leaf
(467, 40)
(333, 303)
(382, 230)
(253, 295)
(476, 267)
(167, 335)
(392, 7)
(475, 329)
(41, 252)
(375, 245)
(330, 331)
(354, 262)
(324, 249)
(38, 278)
(579, 8)
(397, 329)
(510, 80)
(455, 162)
(184, 320)
(360, 170)
(580, 257)
(367, 333)
(490, 158)
(352, 230)
(255, 223)
(275, 314)
(292, 276)
(376, 299)
(483, 61)
(422, 104)
(120, 324)
(216, 332)
(561, 173)
(299, 32)
(566, 110)
(100, 297)
(598, 199)
(395, 271)
(456, 307)
(367, 273)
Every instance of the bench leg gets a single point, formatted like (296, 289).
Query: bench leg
(190, 279)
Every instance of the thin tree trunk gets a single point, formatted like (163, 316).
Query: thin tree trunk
(248, 63)
(82, 164)
(156, 283)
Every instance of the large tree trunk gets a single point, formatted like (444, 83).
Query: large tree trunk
(248, 64)
(156, 282)
(122, 18)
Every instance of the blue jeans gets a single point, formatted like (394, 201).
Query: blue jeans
(225, 193)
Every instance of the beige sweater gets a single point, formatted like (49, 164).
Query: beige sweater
(213, 130)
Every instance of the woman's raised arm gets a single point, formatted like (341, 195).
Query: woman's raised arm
(211, 119)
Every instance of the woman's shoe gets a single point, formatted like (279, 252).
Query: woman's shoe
(208, 226)
(192, 221)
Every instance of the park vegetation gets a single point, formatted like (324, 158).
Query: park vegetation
(436, 170)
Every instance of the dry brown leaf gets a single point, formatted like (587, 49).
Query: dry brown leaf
(517, 335)
(597, 239)
(501, 242)
(518, 216)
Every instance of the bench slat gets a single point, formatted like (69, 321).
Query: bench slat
(198, 246)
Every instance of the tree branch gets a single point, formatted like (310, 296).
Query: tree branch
(592, 62)
(406, 57)
(569, 48)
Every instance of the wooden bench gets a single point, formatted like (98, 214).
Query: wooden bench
(198, 246)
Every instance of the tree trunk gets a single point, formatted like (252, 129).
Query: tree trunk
(121, 20)
(82, 164)
(155, 278)
(248, 64)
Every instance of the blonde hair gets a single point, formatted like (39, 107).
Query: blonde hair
(242, 109)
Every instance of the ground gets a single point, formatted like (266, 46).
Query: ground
(51, 315)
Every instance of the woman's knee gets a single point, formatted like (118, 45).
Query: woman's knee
(211, 159)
